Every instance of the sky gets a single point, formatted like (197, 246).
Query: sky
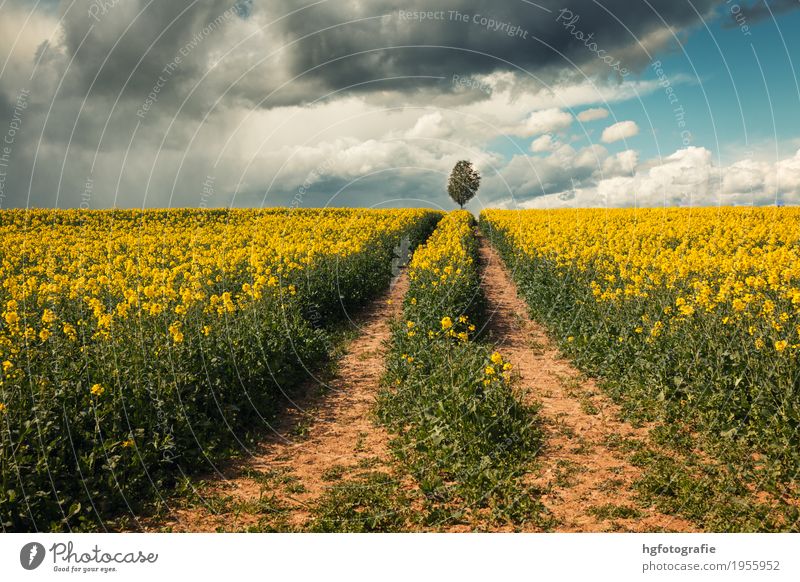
(259, 103)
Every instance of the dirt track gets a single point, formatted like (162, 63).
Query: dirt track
(328, 430)
(588, 486)
(587, 483)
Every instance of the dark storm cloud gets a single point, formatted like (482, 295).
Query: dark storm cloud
(106, 61)
(124, 46)
(341, 43)
(350, 46)
(114, 49)
(105, 111)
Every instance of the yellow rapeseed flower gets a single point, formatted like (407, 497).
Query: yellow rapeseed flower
(175, 332)
(69, 331)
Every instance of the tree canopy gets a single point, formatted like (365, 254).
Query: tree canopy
(463, 183)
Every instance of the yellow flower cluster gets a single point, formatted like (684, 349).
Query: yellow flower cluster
(168, 327)
(442, 274)
(497, 364)
(444, 255)
(742, 264)
(690, 316)
(79, 275)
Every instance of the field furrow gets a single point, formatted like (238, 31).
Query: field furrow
(587, 483)
(139, 348)
(328, 433)
(690, 321)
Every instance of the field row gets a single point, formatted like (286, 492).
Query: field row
(691, 318)
(461, 430)
(138, 346)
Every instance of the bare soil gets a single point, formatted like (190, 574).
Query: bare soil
(587, 481)
(329, 430)
(588, 484)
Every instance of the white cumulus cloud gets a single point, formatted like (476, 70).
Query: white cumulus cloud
(621, 164)
(618, 131)
(545, 121)
(688, 177)
(545, 143)
(592, 114)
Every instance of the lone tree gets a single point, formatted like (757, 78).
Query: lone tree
(463, 183)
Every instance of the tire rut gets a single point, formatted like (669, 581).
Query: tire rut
(287, 472)
(588, 486)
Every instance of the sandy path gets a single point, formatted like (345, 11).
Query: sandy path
(288, 472)
(587, 484)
